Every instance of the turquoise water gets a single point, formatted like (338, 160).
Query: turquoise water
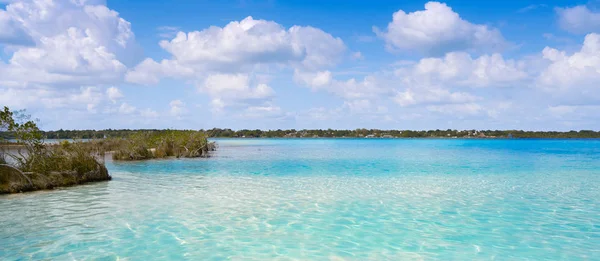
(325, 199)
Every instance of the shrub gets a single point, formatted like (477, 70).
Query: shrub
(64, 157)
(49, 166)
(161, 144)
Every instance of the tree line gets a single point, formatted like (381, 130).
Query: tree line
(321, 133)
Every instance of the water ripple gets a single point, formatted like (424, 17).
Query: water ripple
(335, 203)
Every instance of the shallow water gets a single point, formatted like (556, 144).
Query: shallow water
(325, 199)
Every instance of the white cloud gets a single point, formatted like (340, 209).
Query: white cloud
(73, 43)
(126, 108)
(11, 32)
(31, 97)
(63, 56)
(70, 57)
(234, 89)
(573, 76)
(114, 94)
(229, 63)
(437, 30)
(241, 47)
(87, 100)
(149, 72)
(572, 116)
(364, 106)
(428, 81)
(51, 18)
(313, 79)
(578, 19)
(262, 42)
(177, 108)
(73, 57)
(432, 96)
(460, 69)
(368, 87)
(321, 49)
(91, 96)
(235, 86)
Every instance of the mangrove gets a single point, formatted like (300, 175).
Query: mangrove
(35, 165)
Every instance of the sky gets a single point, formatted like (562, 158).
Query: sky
(302, 64)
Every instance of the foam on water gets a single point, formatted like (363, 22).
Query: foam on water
(325, 200)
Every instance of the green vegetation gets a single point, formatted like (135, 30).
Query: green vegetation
(39, 166)
(76, 156)
(162, 144)
(34, 165)
(329, 133)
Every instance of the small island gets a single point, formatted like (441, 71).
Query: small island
(29, 164)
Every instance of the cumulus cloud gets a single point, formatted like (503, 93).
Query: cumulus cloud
(87, 98)
(74, 43)
(126, 108)
(578, 19)
(234, 89)
(72, 57)
(432, 96)
(427, 81)
(149, 72)
(313, 79)
(11, 31)
(241, 46)
(577, 74)
(437, 30)
(460, 69)
(114, 94)
(366, 88)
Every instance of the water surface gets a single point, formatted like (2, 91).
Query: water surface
(325, 199)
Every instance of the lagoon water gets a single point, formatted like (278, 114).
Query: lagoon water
(325, 199)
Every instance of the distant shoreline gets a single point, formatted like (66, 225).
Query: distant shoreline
(327, 133)
(14, 145)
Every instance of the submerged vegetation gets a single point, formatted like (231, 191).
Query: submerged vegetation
(36, 165)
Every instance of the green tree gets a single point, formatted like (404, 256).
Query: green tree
(24, 129)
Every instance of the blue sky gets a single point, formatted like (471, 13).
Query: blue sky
(93, 64)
